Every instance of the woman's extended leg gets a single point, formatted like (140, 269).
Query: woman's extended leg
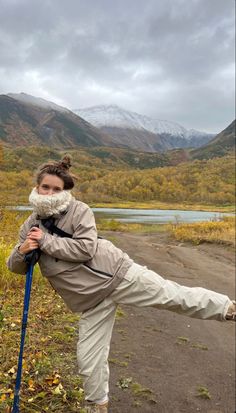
(141, 288)
(95, 329)
(145, 288)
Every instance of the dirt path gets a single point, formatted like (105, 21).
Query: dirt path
(169, 356)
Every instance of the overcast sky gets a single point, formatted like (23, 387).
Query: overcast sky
(168, 59)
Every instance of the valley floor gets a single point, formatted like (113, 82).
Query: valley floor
(176, 363)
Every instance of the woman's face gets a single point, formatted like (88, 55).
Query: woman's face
(50, 184)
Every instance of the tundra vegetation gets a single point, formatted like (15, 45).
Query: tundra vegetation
(204, 184)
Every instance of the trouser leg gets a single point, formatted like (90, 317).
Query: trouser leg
(95, 329)
(141, 288)
(145, 288)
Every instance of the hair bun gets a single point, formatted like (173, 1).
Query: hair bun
(65, 162)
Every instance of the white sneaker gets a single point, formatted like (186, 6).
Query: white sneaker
(96, 408)
(231, 313)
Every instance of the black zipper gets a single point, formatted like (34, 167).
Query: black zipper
(99, 271)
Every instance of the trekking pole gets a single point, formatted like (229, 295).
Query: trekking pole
(31, 258)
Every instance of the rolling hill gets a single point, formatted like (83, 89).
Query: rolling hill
(29, 157)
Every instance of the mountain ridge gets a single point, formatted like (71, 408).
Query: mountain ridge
(37, 101)
(128, 128)
(29, 123)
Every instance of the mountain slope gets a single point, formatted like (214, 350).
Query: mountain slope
(221, 145)
(27, 124)
(134, 129)
(33, 100)
(137, 139)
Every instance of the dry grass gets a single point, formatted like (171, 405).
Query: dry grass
(222, 232)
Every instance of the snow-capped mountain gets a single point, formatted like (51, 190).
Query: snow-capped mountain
(33, 100)
(115, 116)
(113, 119)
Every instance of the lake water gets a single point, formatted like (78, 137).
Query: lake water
(152, 216)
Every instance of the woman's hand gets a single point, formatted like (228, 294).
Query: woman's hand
(28, 245)
(32, 240)
(35, 234)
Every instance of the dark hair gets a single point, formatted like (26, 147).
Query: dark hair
(60, 169)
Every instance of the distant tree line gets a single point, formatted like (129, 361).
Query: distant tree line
(203, 182)
(210, 182)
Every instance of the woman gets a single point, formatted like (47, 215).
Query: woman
(93, 276)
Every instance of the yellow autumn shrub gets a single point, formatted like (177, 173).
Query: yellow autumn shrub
(222, 232)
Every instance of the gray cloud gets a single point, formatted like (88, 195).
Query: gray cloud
(170, 59)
